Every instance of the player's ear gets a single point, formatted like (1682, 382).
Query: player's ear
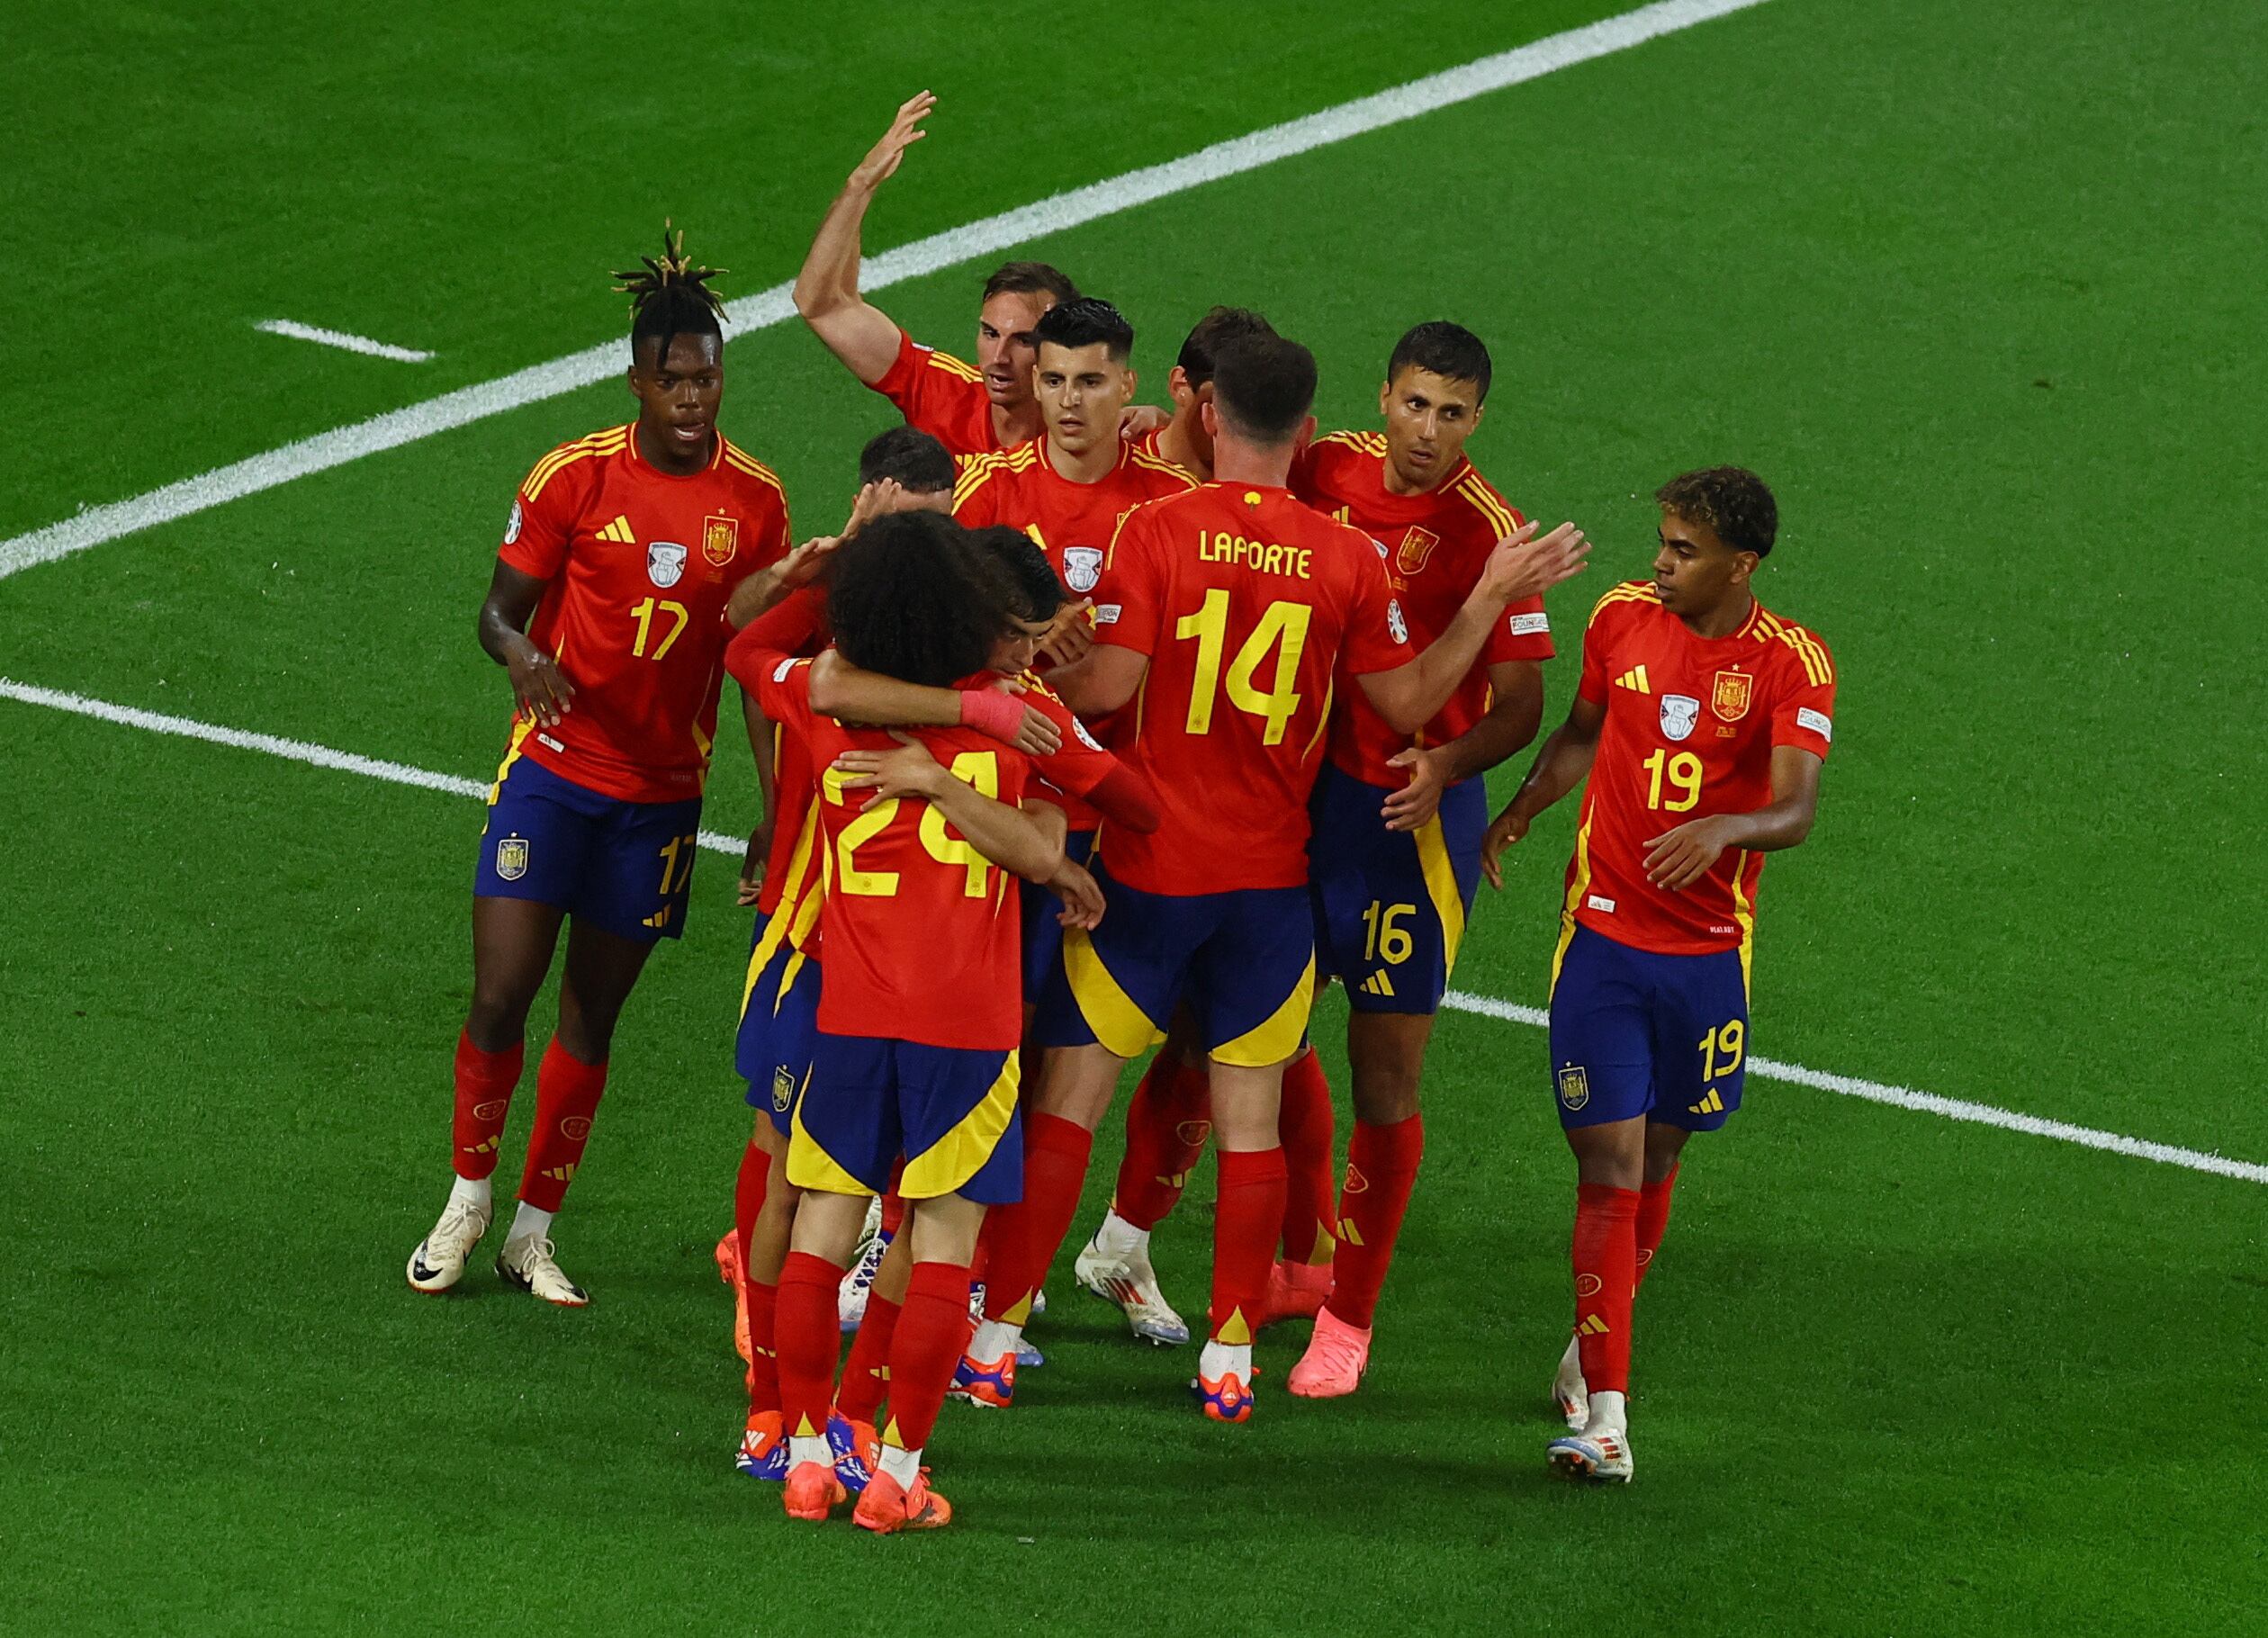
(1306, 436)
(1178, 385)
(1385, 395)
(1132, 382)
(1208, 418)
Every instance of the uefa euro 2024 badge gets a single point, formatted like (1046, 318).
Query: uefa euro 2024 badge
(665, 563)
(1679, 712)
(1082, 568)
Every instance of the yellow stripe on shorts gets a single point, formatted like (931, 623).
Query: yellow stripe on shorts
(1277, 1039)
(1119, 1025)
(1441, 887)
(956, 1156)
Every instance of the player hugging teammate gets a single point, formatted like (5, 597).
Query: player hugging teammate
(1100, 727)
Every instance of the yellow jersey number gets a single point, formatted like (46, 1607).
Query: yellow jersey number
(979, 769)
(1283, 628)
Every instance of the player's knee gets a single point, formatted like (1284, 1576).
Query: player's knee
(498, 1016)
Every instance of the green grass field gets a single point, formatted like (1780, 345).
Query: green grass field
(1976, 287)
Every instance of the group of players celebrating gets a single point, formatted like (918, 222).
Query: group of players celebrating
(1102, 727)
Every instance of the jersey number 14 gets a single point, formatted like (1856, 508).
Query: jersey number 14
(1283, 628)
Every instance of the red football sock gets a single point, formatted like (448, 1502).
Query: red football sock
(567, 1092)
(1022, 1240)
(866, 1375)
(809, 1339)
(1606, 1277)
(932, 1329)
(1382, 1167)
(1246, 1216)
(1167, 1121)
(1653, 1220)
(749, 1190)
(1307, 1125)
(764, 1347)
(484, 1083)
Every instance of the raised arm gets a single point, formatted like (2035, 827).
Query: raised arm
(1521, 566)
(827, 294)
(541, 689)
(1559, 768)
(1100, 680)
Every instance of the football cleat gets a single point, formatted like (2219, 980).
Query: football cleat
(1225, 1400)
(528, 1265)
(991, 1384)
(1601, 1454)
(728, 1269)
(1569, 1392)
(889, 1506)
(812, 1491)
(1126, 1279)
(763, 1451)
(439, 1262)
(857, 1282)
(858, 1452)
(1296, 1291)
(1028, 1358)
(1337, 1356)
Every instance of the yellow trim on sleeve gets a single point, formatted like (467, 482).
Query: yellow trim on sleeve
(1578, 885)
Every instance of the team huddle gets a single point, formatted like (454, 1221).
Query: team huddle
(1102, 727)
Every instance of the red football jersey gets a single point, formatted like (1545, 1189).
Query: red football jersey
(641, 564)
(1690, 726)
(1250, 606)
(938, 394)
(1436, 545)
(1072, 522)
(921, 932)
(796, 625)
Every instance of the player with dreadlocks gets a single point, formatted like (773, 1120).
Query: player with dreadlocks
(608, 607)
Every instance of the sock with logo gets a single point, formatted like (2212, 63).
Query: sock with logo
(1307, 1126)
(1246, 1217)
(1653, 1220)
(932, 1328)
(484, 1083)
(567, 1094)
(1606, 1260)
(1167, 1121)
(807, 1338)
(1381, 1168)
(1022, 1240)
(866, 1375)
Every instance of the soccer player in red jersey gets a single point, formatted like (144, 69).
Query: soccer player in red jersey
(1234, 611)
(1184, 441)
(608, 607)
(1697, 734)
(969, 409)
(915, 1056)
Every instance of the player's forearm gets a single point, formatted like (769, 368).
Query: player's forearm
(841, 691)
(1559, 768)
(756, 594)
(502, 636)
(1447, 661)
(760, 747)
(1767, 830)
(1509, 724)
(1007, 836)
(828, 280)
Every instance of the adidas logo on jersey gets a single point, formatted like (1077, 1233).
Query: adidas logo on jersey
(1634, 679)
(619, 531)
(1377, 984)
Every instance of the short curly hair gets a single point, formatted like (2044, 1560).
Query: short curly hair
(1039, 594)
(912, 595)
(1730, 502)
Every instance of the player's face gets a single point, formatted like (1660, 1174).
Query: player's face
(1012, 652)
(1694, 571)
(1004, 344)
(1081, 389)
(677, 397)
(1429, 418)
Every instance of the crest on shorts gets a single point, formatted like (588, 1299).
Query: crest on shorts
(720, 538)
(1574, 1087)
(1730, 696)
(1417, 546)
(665, 563)
(1082, 568)
(1679, 712)
(783, 1089)
(512, 858)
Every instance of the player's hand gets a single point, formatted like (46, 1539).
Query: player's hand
(884, 157)
(1523, 566)
(751, 874)
(1676, 859)
(1139, 420)
(1408, 808)
(1508, 829)
(801, 566)
(1081, 893)
(909, 771)
(883, 496)
(541, 687)
(1073, 633)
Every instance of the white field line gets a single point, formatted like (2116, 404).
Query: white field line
(1845, 1086)
(988, 237)
(340, 339)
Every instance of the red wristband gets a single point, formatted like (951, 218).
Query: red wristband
(992, 713)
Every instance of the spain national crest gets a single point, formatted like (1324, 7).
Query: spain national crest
(512, 858)
(1417, 546)
(1574, 1086)
(1729, 699)
(783, 1088)
(720, 538)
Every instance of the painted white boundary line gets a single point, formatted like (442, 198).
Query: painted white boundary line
(340, 339)
(1849, 1087)
(990, 236)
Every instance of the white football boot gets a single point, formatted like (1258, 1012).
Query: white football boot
(1568, 1388)
(439, 1262)
(857, 1282)
(1122, 1274)
(527, 1265)
(1601, 1451)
